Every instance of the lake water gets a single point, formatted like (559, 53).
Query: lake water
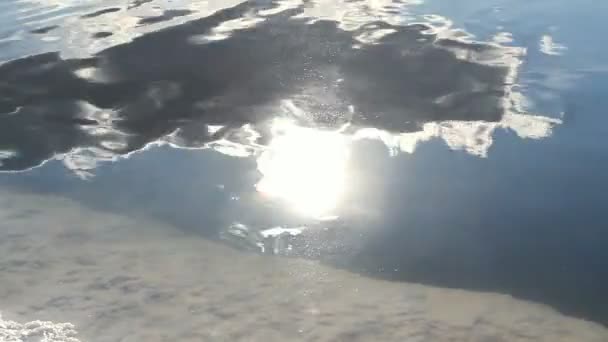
(303, 170)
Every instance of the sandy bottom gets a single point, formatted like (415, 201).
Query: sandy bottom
(116, 278)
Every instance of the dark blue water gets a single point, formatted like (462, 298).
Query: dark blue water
(459, 145)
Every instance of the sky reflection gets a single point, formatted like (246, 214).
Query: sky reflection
(266, 105)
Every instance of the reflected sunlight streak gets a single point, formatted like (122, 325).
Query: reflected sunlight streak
(304, 167)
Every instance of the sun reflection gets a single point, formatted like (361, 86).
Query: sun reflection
(304, 167)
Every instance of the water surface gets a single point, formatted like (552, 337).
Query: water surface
(178, 171)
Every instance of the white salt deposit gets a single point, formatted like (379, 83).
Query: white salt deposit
(36, 331)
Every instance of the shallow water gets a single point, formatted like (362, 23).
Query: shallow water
(287, 170)
(130, 279)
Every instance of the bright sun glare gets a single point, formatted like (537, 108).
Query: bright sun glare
(304, 167)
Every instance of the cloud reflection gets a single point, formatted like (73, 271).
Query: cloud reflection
(472, 137)
(307, 168)
(219, 82)
(549, 47)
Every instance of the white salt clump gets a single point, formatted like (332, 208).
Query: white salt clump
(37, 331)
